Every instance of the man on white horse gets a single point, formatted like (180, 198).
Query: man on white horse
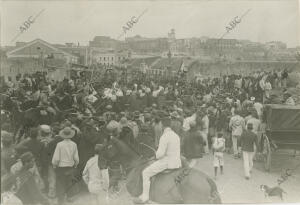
(167, 155)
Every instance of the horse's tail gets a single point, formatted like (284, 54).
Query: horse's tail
(214, 194)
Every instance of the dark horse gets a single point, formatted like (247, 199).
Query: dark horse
(180, 186)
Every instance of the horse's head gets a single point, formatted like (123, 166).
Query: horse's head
(111, 149)
(16, 105)
(117, 150)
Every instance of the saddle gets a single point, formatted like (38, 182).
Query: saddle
(134, 182)
(168, 171)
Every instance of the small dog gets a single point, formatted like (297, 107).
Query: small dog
(274, 191)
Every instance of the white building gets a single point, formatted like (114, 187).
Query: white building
(109, 57)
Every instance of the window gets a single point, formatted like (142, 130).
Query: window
(104, 58)
(112, 58)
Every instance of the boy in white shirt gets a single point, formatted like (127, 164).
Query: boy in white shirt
(218, 149)
(96, 176)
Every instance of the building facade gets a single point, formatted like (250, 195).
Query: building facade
(41, 49)
(37, 55)
(104, 42)
(109, 57)
(147, 45)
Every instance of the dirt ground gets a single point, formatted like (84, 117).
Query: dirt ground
(232, 185)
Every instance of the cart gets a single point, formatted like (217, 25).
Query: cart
(282, 130)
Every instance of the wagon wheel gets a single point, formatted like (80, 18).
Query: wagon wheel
(267, 153)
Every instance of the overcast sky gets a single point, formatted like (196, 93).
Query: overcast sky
(80, 21)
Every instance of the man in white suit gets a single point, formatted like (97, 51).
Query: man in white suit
(167, 155)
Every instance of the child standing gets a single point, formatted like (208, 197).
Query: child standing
(218, 149)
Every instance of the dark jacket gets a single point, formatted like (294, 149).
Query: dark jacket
(193, 144)
(31, 145)
(90, 137)
(47, 154)
(176, 126)
(248, 139)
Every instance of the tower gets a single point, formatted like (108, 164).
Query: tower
(172, 40)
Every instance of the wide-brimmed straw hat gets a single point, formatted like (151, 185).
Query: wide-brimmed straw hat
(67, 133)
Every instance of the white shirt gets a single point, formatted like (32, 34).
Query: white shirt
(8, 198)
(237, 124)
(258, 107)
(95, 178)
(205, 121)
(155, 93)
(187, 121)
(92, 98)
(65, 154)
(169, 149)
(268, 86)
(119, 93)
(219, 144)
(207, 98)
(238, 83)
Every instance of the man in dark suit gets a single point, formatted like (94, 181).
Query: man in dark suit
(248, 139)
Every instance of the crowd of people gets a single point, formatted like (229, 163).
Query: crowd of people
(55, 156)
